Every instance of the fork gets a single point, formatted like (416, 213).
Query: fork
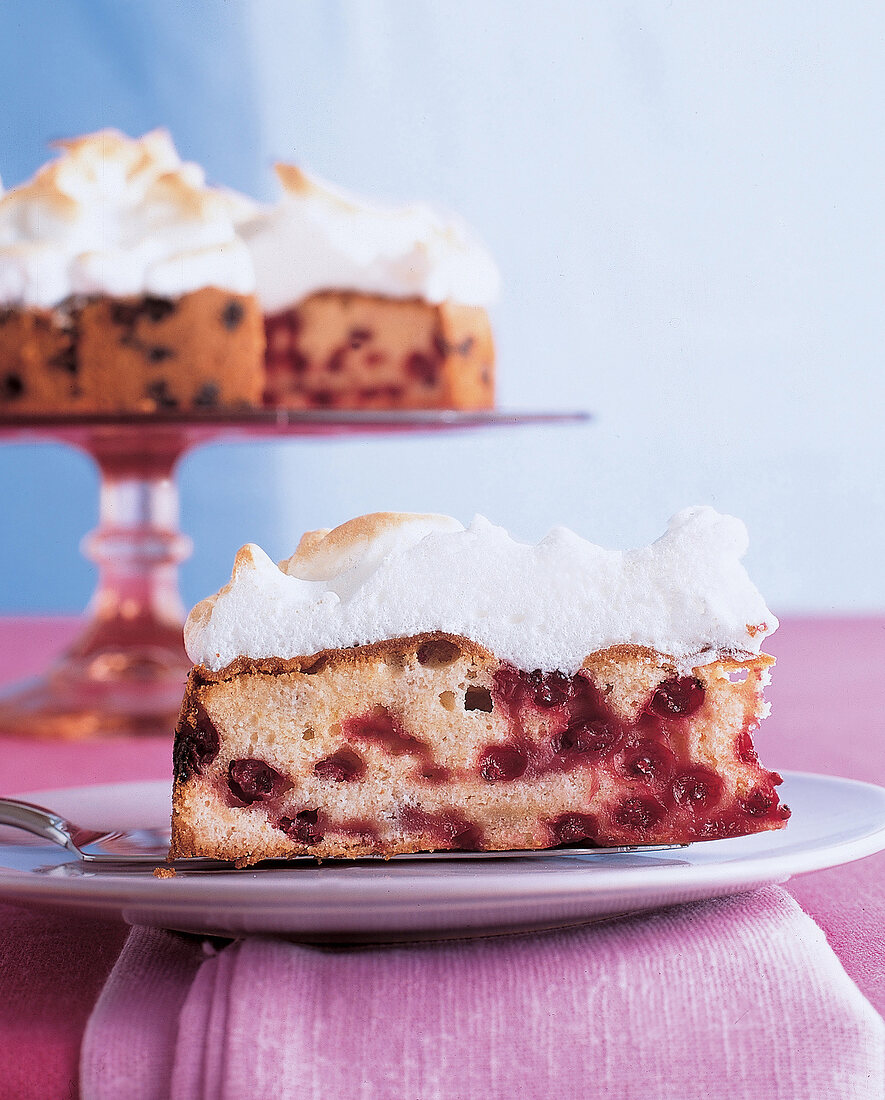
(133, 846)
(143, 847)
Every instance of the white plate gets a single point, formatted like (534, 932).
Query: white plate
(834, 821)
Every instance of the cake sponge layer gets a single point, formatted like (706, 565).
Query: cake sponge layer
(431, 742)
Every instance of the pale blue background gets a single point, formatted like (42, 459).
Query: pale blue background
(686, 203)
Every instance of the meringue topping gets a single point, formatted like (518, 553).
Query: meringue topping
(546, 606)
(120, 216)
(320, 237)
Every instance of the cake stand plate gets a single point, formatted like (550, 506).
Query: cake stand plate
(125, 673)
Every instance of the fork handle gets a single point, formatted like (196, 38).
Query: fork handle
(37, 820)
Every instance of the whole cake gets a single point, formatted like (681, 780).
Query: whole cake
(371, 307)
(125, 286)
(405, 684)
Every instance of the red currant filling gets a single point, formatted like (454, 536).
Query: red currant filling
(760, 801)
(640, 812)
(380, 727)
(665, 792)
(573, 828)
(745, 749)
(502, 762)
(679, 697)
(697, 788)
(649, 761)
(304, 828)
(252, 780)
(593, 737)
(449, 829)
(549, 689)
(196, 743)
(341, 766)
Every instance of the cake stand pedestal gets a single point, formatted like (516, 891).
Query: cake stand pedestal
(125, 672)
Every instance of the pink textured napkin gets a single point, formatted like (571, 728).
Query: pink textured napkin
(740, 997)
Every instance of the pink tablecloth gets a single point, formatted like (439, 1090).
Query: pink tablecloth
(827, 717)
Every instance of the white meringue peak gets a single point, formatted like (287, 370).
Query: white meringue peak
(113, 215)
(547, 606)
(319, 237)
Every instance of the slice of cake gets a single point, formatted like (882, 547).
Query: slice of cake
(404, 684)
(371, 307)
(124, 286)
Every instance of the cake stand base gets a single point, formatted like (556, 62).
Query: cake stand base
(125, 673)
(113, 692)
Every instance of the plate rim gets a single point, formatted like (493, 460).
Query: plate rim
(114, 891)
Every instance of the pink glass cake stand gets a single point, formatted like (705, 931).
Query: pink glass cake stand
(125, 672)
